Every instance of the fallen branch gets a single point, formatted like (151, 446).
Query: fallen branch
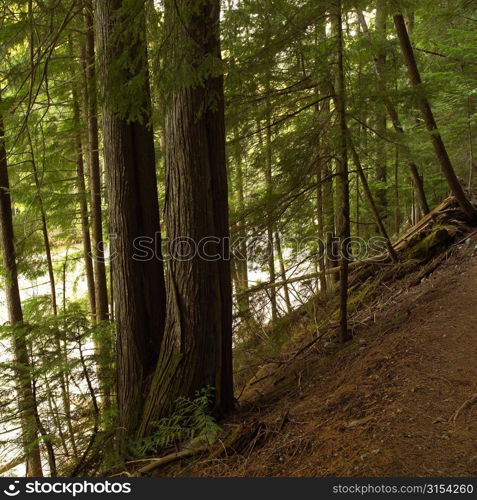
(172, 457)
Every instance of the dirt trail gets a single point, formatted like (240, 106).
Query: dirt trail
(385, 406)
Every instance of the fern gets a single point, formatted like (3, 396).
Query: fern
(191, 420)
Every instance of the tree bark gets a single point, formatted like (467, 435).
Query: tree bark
(436, 138)
(138, 279)
(26, 401)
(342, 180)
(197, 348)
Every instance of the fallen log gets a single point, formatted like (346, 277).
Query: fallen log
(377, 259)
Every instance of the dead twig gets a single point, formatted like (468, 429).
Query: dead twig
(467, 404)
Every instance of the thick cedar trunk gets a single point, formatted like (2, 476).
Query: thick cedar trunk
(437, 142)
(133, 206)
(342, 181)
(26, 400)
(394, 118)
(101, 290)
(197, 348)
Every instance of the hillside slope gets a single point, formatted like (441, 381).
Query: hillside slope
(397, 401)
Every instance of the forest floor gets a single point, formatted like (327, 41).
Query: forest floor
(397, 401)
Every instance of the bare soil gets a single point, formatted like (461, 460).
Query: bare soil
(400, 400)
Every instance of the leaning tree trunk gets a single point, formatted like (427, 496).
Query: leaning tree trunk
(416, 178)
(138, 277)
(197, 349)
(26, 400)
(426, 110)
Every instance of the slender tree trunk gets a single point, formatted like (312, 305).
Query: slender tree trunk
(321, 258)
(329, 219)
(437, 142)
(26, 401)
(44, 227)
(372, 204)
(342, 181)
(269, 193)
(103, 345)
(283, 274)
(380, 61)
(197, 349)
(470, 142)
(397, 213)
(83, 206)
(133, 205)
(240, 260)
(101, 290)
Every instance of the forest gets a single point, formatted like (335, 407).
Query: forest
(213, 211)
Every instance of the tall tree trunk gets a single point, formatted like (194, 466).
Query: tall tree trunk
(138, 279)
(104, 344)
(380, 61)
(101, 290)
(26, 400)
(342, 179)
(283, 273)
(269, 193)
(320, 260)
(240, 260)
(437, 142)
(197, 349)
(327, 175)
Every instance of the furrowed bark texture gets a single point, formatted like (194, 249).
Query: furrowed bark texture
(197, 349)
(138, 279)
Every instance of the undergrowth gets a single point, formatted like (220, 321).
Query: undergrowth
(191, 420)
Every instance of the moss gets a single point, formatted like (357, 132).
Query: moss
(440, 234)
